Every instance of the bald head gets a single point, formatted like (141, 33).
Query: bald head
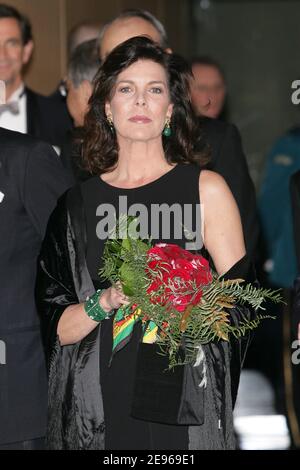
(122, 29)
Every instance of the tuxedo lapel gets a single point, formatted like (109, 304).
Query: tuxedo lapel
(32, 114)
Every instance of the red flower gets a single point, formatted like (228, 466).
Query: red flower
(174, 274)
(157, 253)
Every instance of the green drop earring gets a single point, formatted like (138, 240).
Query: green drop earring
(110, 123)
(167, 129)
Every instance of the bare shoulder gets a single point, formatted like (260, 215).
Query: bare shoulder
(213, 184)
(222, 232)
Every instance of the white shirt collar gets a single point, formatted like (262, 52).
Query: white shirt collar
(17, 94)
(16, 122)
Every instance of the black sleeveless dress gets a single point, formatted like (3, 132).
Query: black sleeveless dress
(180, 186)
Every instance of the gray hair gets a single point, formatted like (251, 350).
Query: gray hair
(144, 15)
(84, 62)
(82, 32)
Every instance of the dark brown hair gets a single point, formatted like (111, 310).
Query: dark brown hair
(7, 11)
(100, 146)
(208, 61)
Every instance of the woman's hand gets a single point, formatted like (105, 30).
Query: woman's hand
(75, 324)
(113, 298)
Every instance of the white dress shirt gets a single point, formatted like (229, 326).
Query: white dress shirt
(16, 122)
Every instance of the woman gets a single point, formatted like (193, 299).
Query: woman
(139, 145)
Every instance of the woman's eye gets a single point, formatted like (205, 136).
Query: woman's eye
(125, 89)
(156, 90)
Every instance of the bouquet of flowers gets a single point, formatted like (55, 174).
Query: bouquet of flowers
(180, 301)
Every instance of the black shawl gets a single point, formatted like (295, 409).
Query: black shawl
(76, 416)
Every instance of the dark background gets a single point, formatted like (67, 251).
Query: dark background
(256, 42)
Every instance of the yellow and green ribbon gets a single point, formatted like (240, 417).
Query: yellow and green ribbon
(123, 324)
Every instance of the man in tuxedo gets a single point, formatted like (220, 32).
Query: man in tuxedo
(223, 139)
(25, 110)
(31, 180)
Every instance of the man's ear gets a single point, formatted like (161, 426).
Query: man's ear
(168, 50)
(87, 89)
(27, 52)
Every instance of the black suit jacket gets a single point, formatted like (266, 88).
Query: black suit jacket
(295, 199)
(228, 159)
(31, 179)
(71, 156)
(47, 117)
(295, 310)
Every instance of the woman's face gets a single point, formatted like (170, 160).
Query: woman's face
(140, 104)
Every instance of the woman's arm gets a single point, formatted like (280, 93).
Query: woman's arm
(62, 315)
(75, 324)
(223, 234)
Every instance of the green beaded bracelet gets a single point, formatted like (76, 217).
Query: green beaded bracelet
(93, 308)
